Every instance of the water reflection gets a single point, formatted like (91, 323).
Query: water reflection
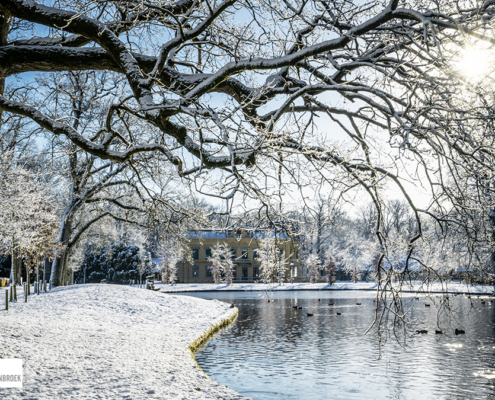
(276, 351)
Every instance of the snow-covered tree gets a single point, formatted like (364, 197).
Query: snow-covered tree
(75, 259)
(222, 266)
(270, 260)
(169, 270)
(330, 268)
(91, 190)
(228, 270)
(28, 215)
(169, 250)
(313, 265)
(221, 263)
(356, 254)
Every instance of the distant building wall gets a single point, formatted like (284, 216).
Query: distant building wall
(243, 243)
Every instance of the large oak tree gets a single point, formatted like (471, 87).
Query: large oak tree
(263, 100)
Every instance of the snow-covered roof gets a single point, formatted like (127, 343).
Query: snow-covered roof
(227, 234)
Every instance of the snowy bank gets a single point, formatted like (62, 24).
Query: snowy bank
(414, 287)
(110, 342)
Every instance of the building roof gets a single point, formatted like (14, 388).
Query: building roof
(230, 234)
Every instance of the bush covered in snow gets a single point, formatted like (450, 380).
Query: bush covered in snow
(222, 266)
(117, 263)
(271, 261)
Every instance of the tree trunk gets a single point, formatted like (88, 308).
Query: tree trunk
(12, 266)
(59, 267)
(18, 270)
(47, 268)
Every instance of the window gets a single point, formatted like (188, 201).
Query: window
(195, 253)
(234, 273)
(244, 252)
(322, 272)
(195, 271)
(244, 275)
(233, 253)
(208, 271)
(208, 252)
(256, 271)
(281, 252)
(255, 252)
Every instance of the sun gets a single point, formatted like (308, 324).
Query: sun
(475, 63)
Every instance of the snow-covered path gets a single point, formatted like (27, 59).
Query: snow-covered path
(109, 342)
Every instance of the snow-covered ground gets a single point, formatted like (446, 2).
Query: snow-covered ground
(416, 287)
(109, 342)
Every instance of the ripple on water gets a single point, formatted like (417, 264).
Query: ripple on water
(274, 351)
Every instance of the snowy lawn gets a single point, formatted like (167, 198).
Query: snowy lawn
(109, 342)
(415, 287)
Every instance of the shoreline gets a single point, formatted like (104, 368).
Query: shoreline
(417, 288)
(112, 342)
(203, 339)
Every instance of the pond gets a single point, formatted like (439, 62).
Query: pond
(274, 351)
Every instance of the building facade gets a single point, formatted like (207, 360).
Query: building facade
(243, 245)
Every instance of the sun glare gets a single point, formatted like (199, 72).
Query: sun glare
(475, 63)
